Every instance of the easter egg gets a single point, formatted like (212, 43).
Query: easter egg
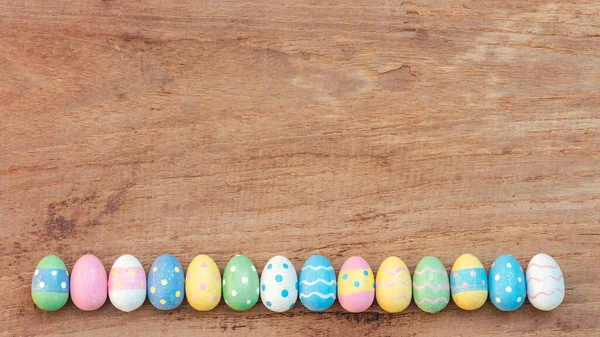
(203, 283)
(165, 283)
(468, 282)
(317, 284)
(279, 284)
(50, 284)
(240, 283)
(393, 285)
(431, 288)
(507, 283)
(88, 283)
(545, 283)
(356, 285)
(127, 283)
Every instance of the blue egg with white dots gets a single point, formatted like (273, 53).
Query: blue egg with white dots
(507, 285)
(166, 288)
(318, 284)
(279, 284)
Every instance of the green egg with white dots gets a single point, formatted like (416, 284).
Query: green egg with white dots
(240, 283)
(50, 284)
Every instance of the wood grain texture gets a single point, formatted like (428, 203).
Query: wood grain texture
(372, 128)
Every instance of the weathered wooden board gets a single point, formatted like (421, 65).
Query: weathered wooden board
(369, 128)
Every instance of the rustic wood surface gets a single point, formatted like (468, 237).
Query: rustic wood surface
(370, 128)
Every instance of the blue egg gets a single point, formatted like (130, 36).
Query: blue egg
(507, 283)
(318, 287)
(166, 289)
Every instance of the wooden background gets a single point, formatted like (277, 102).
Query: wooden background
(369, 128)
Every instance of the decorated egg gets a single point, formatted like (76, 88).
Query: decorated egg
(431, 288)
(279, 284)
(507, 283)
(393, 285)
(88, 283)
(545, 283)
(50, 284)
(203, 283)
(165, 283)
(356, 285)
(468, 282)
(317, 285)
(127, 283)
(240, 283)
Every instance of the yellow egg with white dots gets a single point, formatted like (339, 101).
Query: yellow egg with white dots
(203, 283)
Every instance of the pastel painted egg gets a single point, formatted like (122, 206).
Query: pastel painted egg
(50, 284)
(88, 283)
(203, 283)
(431, 288)
(317, 285)
(240, 283)
(545, 283)
(279, 284)
(468, 282)
(356, 285)
(507, 283)
(127, 283)
(165, 283)
(393, 285)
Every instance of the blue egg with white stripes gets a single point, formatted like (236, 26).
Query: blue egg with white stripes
(507, 283)
(317, 287)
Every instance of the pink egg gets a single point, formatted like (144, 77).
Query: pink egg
(356, 285)
(88, 283)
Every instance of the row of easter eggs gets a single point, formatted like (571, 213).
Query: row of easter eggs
(279, 286)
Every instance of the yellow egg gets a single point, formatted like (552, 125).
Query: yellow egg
(393, 285)
(203, 283)
(468, 282)
(356, 285)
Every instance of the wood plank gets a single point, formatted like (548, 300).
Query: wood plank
(429, 127)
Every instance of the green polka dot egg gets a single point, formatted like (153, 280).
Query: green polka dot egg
(240, 283)
(50, 284)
